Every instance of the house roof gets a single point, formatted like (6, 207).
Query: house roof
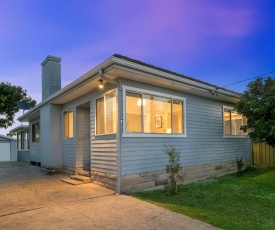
(19, 128)
(118, 61)
(6, 137)
(170, 72)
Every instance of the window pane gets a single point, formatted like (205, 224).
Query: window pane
(236, 123)
(110, 113)
(100, 128)
(18, 141)
(178, 116)
(26, 139)
(33, 132)
(37, 132)
(71, 123)
(156, 114)
(226, 120)
(65, 124)
(133, 112)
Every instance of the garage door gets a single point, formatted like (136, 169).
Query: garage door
(4, 151)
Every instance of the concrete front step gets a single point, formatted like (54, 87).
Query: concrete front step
(83, 179)
(83, 173)
(72, 182)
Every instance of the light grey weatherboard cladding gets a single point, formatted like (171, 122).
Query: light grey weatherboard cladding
(204, 143)
(13, 150)
(104, 147)
(23, 155)
(35, 147)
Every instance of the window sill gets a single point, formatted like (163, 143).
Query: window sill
(235, 136)
(23, 150)
(152, 135)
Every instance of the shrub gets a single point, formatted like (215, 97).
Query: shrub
(172, 168)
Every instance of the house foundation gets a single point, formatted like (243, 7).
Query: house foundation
(159, 179)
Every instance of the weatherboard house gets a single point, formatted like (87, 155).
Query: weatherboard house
(115, 120)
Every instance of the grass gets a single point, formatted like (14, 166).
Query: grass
(229, 202)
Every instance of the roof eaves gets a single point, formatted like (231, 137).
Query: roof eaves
(189, 79)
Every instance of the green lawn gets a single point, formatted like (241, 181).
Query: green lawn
(229, 202)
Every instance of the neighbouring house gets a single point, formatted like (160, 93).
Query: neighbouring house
(114, 121)
(7, 149)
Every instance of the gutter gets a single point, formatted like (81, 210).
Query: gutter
(119, 125)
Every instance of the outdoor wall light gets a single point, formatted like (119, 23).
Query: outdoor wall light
(100, 84)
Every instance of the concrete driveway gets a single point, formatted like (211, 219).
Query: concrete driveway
(31, 200)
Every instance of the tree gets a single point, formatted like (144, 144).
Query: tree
(9, 96)
(257, 104)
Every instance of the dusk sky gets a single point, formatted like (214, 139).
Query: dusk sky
(220, 42)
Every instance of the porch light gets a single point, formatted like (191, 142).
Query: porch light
(100, 84)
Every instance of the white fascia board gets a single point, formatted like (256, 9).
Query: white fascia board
(185, 81)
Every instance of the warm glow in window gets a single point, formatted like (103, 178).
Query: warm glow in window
(177, 116)
(68, 124)
(153, 114)
(233, 122)
(133, 112)
(111, 112)
(71, 123)
(106, 114)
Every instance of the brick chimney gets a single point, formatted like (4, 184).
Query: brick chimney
(51, 76)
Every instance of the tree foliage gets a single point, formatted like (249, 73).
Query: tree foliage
(257, 104)
(9, 96)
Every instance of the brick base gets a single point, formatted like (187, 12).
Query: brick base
(158, 179)
(104, 179)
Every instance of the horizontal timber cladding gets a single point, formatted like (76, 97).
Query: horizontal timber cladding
(103, 152)
(35, 147)
(204, 143)
(23, 156)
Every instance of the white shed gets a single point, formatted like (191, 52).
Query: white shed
(8, 150)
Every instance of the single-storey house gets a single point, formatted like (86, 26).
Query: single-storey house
(7, 148)
(114, 121)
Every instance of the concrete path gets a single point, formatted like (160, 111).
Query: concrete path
(31, 200)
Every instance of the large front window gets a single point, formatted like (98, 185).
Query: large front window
(153, 114)
(106, 114)
(233, 122)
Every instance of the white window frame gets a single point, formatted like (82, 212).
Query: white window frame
(153, 93)
(229, 136)
(104, 95)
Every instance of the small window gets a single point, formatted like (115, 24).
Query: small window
(19, 141)
(233, 122)
(106, 114)
(36, 132)
(68, 124)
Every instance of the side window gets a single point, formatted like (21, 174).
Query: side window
(106, 114)
(68, 123)
(36, 132)
(232, 122)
